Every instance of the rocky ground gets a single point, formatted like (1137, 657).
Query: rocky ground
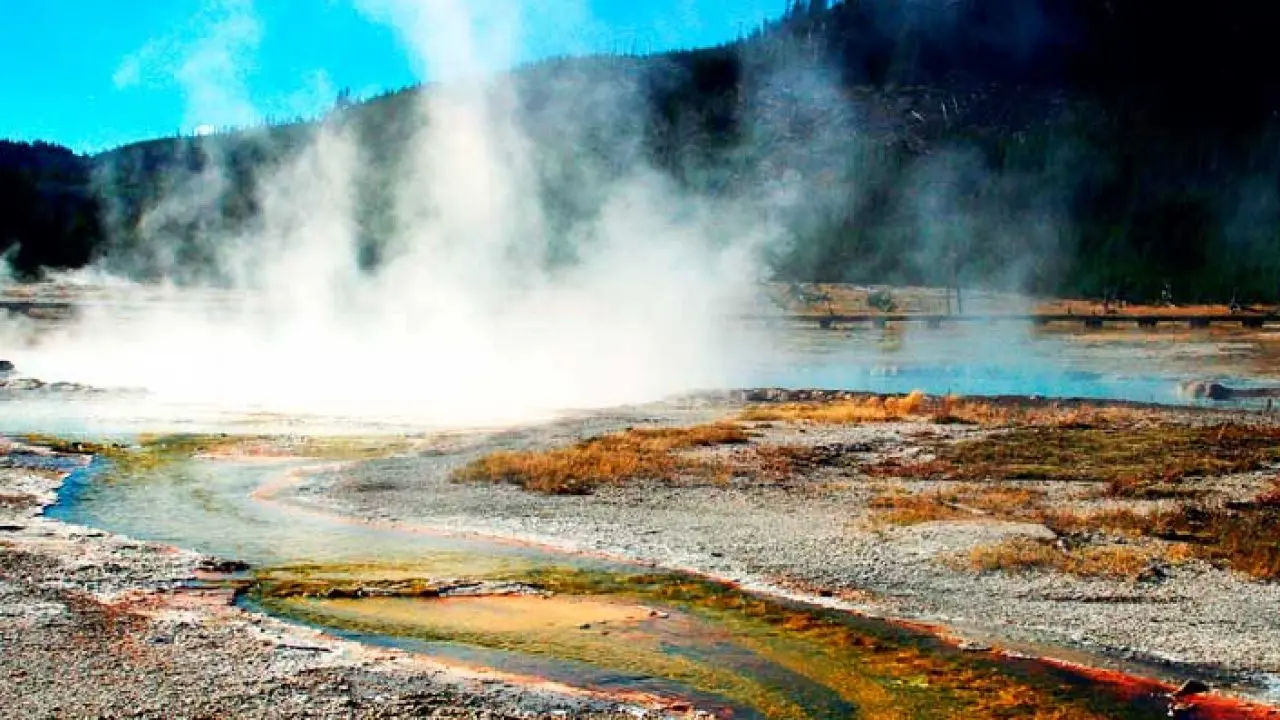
(95, 625)
(815, 533)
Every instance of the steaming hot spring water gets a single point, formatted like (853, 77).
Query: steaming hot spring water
(994, 360)
(606, 624)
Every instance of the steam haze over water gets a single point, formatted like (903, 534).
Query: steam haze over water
(488, 306)
(465, 322)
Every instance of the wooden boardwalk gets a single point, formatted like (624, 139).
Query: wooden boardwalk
(1248, 320)
(37, 307)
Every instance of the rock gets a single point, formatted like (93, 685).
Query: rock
(1154, 572)
(1201, 389)
(1220, 392)
(1191, 687)
(764, 395)
(220, 565)
(303, 648)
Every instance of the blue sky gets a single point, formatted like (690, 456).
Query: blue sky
(93, 74)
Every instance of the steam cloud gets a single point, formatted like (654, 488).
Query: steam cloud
(464, 321)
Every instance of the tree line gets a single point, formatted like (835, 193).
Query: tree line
(1078, 147)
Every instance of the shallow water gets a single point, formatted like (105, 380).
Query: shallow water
(207, 505)
(737, 654)
(1011, 359)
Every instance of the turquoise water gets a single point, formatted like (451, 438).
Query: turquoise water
(1005, 360)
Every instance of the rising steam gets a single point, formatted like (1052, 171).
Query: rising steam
(464, 321)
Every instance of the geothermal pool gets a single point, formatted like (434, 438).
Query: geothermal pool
(1132, 365)
(588, 622)
(602, 623)
(1015, 360)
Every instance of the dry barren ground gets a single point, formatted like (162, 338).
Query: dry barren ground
(98, 626)
(1141, 535)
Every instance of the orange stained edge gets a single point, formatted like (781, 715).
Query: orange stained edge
(152, 603)
(1211, 706)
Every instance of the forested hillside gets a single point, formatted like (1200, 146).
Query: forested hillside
(1063, 146)
(48, 212)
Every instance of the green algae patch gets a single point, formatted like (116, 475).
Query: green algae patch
(609, 633)
(784, 660)
(883, 669)
(69, 446)
(146, 454)
(150, 454)
(350, 448)
(620, 636)
(153, 453)
(432, 576)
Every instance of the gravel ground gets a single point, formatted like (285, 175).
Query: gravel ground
(95, 625)
(811, 534)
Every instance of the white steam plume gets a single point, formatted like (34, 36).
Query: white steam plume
(206, 60)
(462, 323)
